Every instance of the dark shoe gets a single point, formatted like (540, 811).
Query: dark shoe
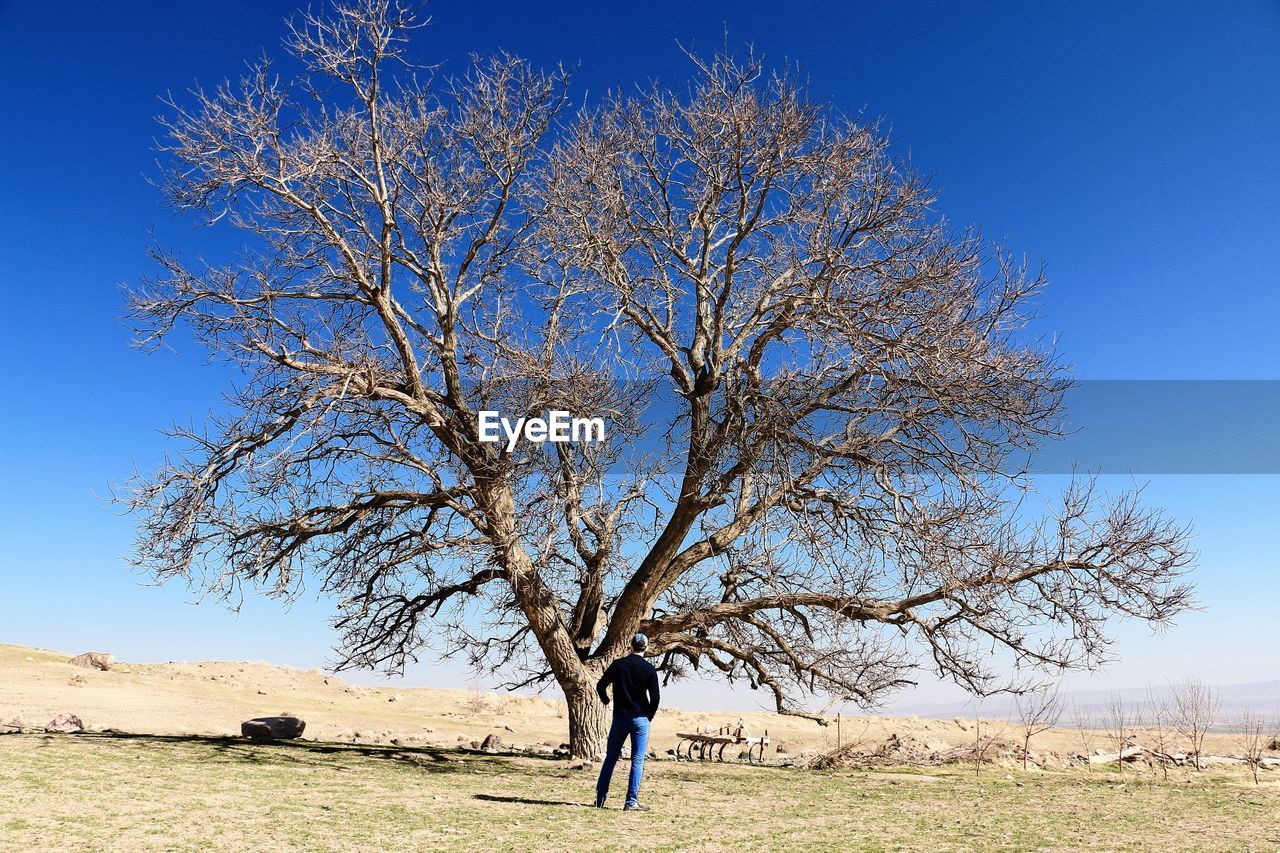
(635, 807)
(600, 804)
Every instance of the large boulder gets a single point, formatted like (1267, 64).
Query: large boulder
(272, 728)
(65, 723)
(94, 660)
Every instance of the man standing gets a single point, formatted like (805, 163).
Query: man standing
(635, 691)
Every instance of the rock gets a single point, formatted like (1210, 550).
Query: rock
(1127, 754)
(491, 742)
(1220, 760)
(94, 660)
(272, 728)
(65, 723)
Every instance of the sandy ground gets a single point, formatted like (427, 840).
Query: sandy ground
(212, 698)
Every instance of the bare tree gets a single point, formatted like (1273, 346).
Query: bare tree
(984, 744)
(1038, 711)
(476, 702)
(1253, 731)
(1158, 717)
(979, 746)
(1121, 719)
(828, 495)
(1084, 728)
(1194, 708)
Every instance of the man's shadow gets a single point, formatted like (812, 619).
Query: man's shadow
(494, 798)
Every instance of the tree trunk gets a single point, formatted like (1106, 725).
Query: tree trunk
(586, 723)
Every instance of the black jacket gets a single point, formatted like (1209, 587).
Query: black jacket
(635, 687)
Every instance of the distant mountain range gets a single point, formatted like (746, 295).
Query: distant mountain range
(1260, 696)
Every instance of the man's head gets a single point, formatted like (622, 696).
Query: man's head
(639, 643)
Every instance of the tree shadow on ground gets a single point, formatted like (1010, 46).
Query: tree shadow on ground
(340, 756)
(495, 798)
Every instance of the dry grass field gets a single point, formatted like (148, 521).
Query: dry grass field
(380, 774)
(192, 793)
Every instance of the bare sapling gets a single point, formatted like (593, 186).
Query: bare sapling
(978, 751)
(1084, 729)
(1158, 714)
(1252, 733)
(1120, 721)
(1195, 708)
(1038, 711)
(477, 702)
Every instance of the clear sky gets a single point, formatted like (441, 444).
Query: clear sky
(1134, 146)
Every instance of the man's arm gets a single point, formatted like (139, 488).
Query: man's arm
(653, 693)
(605, 681)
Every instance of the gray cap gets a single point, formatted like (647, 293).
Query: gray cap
(639, 642)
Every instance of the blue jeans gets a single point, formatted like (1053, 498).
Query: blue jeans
(638, 729)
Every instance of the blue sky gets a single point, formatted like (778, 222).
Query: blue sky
(1132, 146)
